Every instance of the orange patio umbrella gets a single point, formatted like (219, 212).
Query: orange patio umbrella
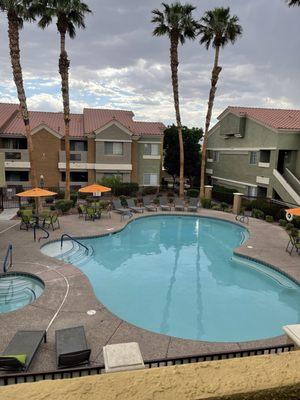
(36, 192)
(291, 213)
(95, 188)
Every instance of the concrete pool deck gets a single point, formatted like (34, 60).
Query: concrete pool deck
(68, 294)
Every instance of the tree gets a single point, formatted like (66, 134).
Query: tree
(18, 11)
(217, 29)
(191, 140)
(69, 14)
(292, 3)
(176, 22)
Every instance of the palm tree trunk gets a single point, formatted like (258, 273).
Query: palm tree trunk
(174, 71)
(14, 47)
(214, 80)
(64, 64)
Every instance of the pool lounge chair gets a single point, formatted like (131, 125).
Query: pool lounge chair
(178, 204)
(294, 242)
(118, 207)
(164, 204)
(71, 347)
(133, 207)
(193, 204)
(148, 204)
(21, 350)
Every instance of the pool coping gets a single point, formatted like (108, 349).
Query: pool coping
(153, 345)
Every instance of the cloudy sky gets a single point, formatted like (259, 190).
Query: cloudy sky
(116, 63)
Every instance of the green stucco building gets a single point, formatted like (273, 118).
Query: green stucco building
(257, 152)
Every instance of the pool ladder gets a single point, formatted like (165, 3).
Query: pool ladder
(8, 258)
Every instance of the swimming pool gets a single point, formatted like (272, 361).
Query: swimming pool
(177, 275)
(18, 289)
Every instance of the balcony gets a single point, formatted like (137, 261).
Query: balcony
(16, 159)
(262, 180)
(78, 160)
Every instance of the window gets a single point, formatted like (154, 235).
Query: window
(112, 175)
(13, 156)
(16, 176)
(75, 176)
(150, 179)
(151, 149)
(253, 157)
(113, 148)
(216, 156)
(14, 144)
(78, 145)
(75, 157)
(251, 191)
(265, 156)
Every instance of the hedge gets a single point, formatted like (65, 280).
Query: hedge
(223, 194)
(127, 189)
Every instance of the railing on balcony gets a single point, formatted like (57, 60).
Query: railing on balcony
(75, 156)
(15, 154)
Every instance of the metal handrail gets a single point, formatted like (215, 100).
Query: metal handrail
(8, 254)
(74, 240)
(43, 229)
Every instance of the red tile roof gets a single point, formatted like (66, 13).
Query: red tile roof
(80, 124)
(275, 118)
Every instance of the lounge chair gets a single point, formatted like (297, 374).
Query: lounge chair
(21, 350)
(27, 220)
(148, 204)
(164, 204)
(118, 207)
(81, 210)
(193, 204)
(53, 221)
(133, 207)
(178, 204)
(71, 347)
(295, 243)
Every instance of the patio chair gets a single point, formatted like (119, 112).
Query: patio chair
(27, 220)
(53, 221)
(294, 242)
(71, 347)
(21, 350)
(164, 204)
(193, 204)
(81, 210)
(90, 213)
(148, 204)
(178, 204)
(133, 207)
(118, 206)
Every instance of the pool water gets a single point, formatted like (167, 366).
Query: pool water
(18, 290)
(178, 276)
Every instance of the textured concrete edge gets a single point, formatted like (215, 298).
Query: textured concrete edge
(261, 377)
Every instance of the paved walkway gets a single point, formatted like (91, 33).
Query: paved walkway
(68, 290)
(8, 214)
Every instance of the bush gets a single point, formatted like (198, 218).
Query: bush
(206, 203)
(64, 205)
(283, 222)
(156, 201)
(123, 201)
(127, 189)
(60, 195)
(224, 206)
(49, 200)
(73, 197)
(192, 193)
(294, 232)
(289, 226)
(269, 218)
(223, 194)
(258, 214)
(149, 190)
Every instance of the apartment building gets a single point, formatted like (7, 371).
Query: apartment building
(257, 152)
(103, 143)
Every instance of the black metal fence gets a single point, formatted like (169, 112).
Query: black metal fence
(12, 379)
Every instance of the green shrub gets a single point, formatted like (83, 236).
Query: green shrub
(223, 206)
(60, 194)
(268, 208)
(149, 190)
(259, 214)
(283, 222)
(64, 205)
(49, 200)
(269, 218)
(216, 207)
(123, 201)
(294, 232)
(156, 201)
(289, 226)
(223, 194)
(127, 189)
(192, 193)
(73, 197)
(206, 203)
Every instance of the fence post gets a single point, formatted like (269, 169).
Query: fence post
(237, 203)
(208, 191)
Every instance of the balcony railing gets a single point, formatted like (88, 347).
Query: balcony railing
(75, 156)
(16, 158)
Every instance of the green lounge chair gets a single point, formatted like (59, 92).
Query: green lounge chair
(27, 220)
(294, 243)
(53, 221)
(81, 210)
(21, 350)
(90, 213)
(71, 347)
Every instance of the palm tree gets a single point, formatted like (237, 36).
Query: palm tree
(292, 3)
(18, 11)
(176, 21)
(69, 14)
(217, 29)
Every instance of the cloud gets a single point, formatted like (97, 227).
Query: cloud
(117, 63)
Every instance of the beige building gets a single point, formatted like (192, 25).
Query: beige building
(103, 143)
